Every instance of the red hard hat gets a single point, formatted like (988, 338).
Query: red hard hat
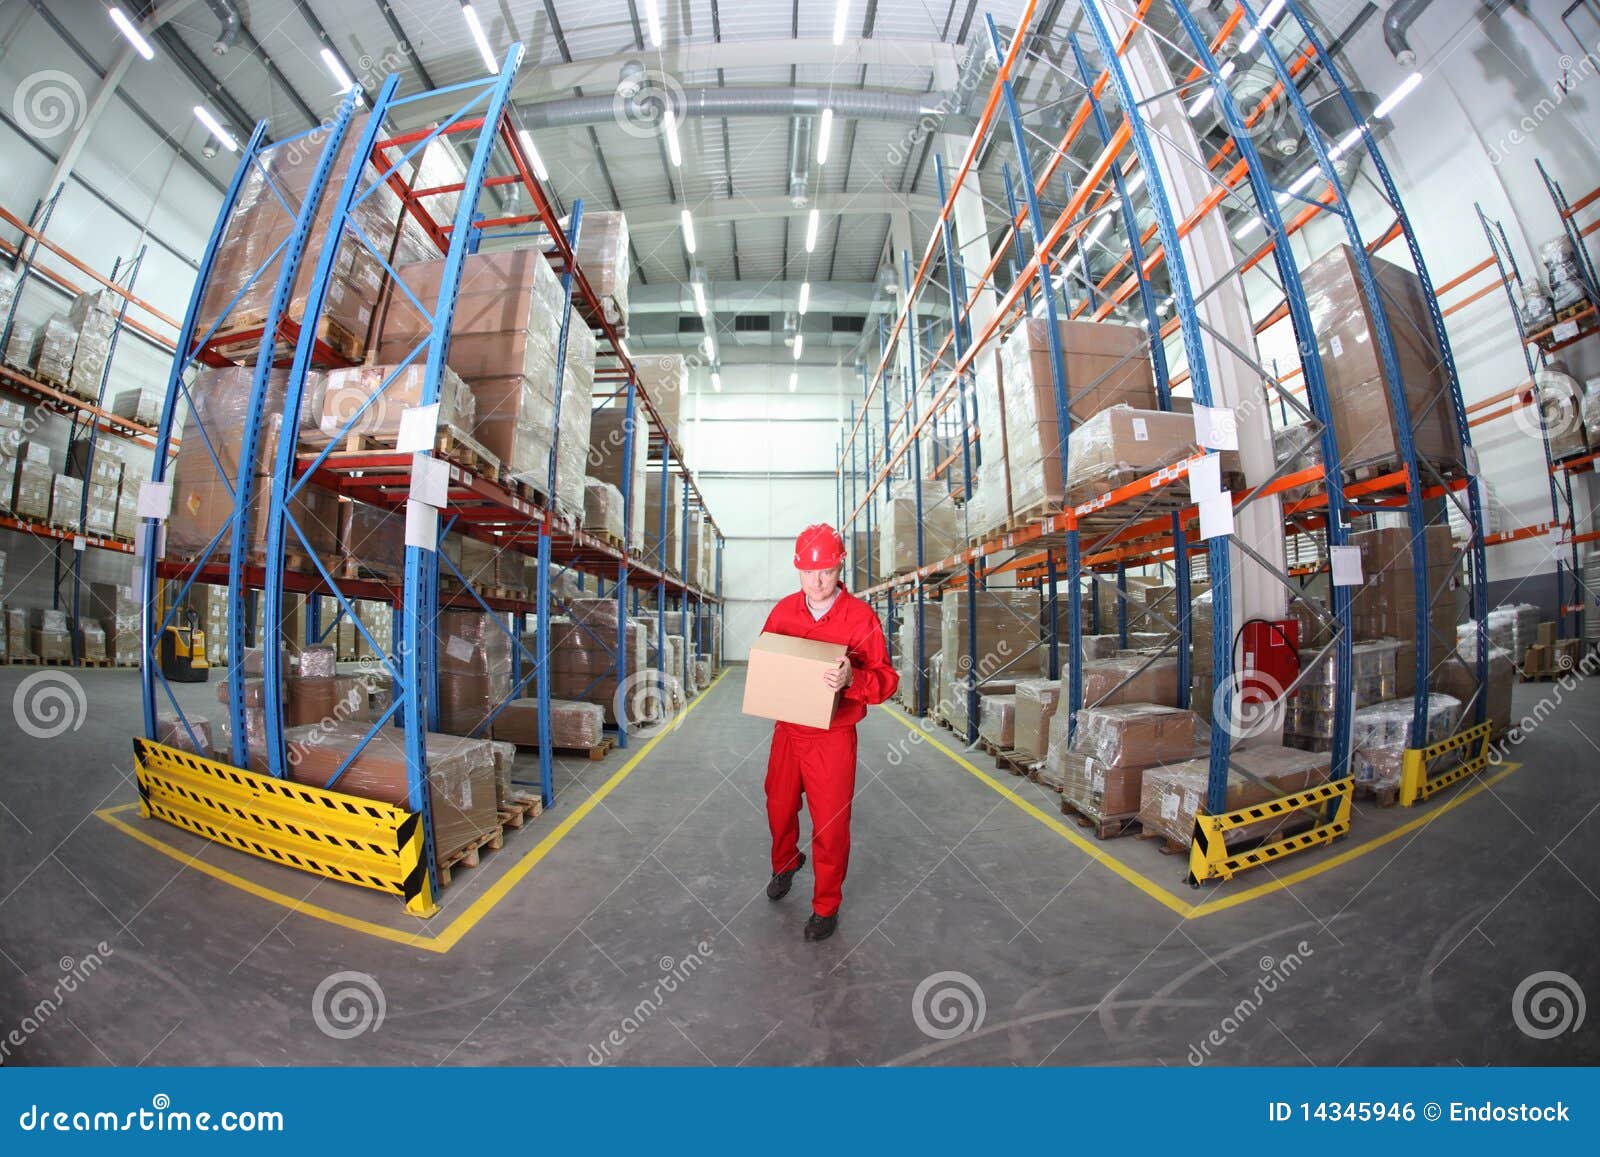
(818, 547)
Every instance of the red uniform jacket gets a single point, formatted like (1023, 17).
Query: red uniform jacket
(853, 623)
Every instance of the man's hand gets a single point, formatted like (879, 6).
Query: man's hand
(840, 676)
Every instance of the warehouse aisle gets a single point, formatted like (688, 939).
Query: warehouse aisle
(972, 933)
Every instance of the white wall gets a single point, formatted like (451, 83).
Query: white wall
(764, 459)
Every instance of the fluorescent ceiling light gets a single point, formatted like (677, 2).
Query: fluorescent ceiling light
(708, 347)
(688, 230)
(471, 16)
(716, 381)
(1344, 145)
(216, 129)
(125, 26)
(1247, 228)
(1263, 22)
(674, 149)
(794, 380)
(623, 346)
(652, 17)
(699, 298)
(805, 296)
(1135, 182)
(1386, 106)
(799, 344)
(1303, 180)
(340, 76)
(1204, 98)
(823, 134)
(840, 15)
(811, 230)
(534, 158)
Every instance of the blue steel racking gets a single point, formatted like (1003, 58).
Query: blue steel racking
(476, 504)
(1416, 489)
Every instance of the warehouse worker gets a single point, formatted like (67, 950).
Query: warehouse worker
(818, 762)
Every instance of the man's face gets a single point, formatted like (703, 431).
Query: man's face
(819, 585)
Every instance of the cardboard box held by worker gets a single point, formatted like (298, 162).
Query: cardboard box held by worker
(785, 679)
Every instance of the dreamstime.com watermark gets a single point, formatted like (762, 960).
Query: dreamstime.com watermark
(49, 103)
(74, 974)
(1548, 1004)
(1573, 73)
(347, 1004)
(1274, 973)
(674, 974)
(947, 1004)
(160, 1117)
(48, 704)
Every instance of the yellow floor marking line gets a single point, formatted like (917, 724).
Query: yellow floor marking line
(1159, 892)
(457, 928)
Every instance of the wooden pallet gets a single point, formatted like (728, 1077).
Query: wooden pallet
(46, 379)
(518, 809)
(525, 490)
(1105, 827)
(350, 569)
(1384, 795)
(468, 856)
(451, 445)
(1166, 845)
(95, 662)
(1006, 759)
(236, 343)
(1580, 306)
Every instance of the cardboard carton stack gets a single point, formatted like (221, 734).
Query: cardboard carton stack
(94, 317)
(19, 348)
(573, 723)
(989, 508)
(860, 571)
(897, 533)
(602, 509)
(1121, 444)
(474, 670)
(664, 378)
(201, 503)
(583, 659)
(906, 651)
(609, 441)
(1381, 733)
(607, 263)
(1102, 772)
(1386, 606)
(116, 606)
(1363, 420)
(137, 406)
(66, 502)
(35, 480)
(54, 343)
(372, 541)
(91, 642)
(48, 637)
(1460, 679)
(1037, 701)
(18, 645)
(102, 482)
(1130, 679)
(997, 720)
(661, 547)
(1549, 654)
(1106, 365)
(1171, 795)
(1008, 646)
(259, 224)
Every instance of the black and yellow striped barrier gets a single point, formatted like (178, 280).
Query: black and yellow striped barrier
(346, 838)
(1415, 783)
(1209, 858)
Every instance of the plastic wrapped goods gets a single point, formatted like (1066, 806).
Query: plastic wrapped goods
(661, 547)
(572, 447)
(1141, 680)
(515, 416)
(1007, 633)
(474, 670)
(66, 502)
(573, 723)
(137, 406)
(1121, 444)
(500, 295)
(1381, 733)
(607, 265)
(461, 775)
(905, 656)
(1037, 701)
(609, 441)
(19, 347)
(1171, 795)
(1460, 679)
(664, 378)
(897, 535)
(997, 718)
(602, 509)
(1105, 365)
(53, 346)
(17, 641)
(346, 391)
(1386, 607)
(1562, 273)
(1139, 734)
(1363, 420)
(372, 541)
(191, 734)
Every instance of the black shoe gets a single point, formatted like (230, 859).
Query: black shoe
(821, 927)
(778, 886)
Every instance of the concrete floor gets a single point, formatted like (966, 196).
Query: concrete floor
(642, 935)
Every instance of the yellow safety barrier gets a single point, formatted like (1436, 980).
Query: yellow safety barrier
(1209, 858)
(346, 838)
(1415, 783)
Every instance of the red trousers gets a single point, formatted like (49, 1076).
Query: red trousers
(821, 765)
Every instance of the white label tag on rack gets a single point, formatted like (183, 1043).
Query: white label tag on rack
(1565, 330)
(430, 481)
(1337, 346)
(419, 427)
(155, 500)
(79, 542)
(1470, 457)
(1558, 537)
(422, 525)
(1205, 478)
(1216, 515)
(1141, 430)
(1346, 563)
(1216, 428)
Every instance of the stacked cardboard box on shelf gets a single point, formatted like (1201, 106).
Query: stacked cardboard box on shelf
(1102, 771)
(1106, 365)
(661, 547)
(1386, 606)
(94, 317)
(53, 346)
(897, 533)
(573, 723)
(1358, 391)
(137, 406)
(583, 659)
(602, 509)
(989, 508)
(474, 670)
(860, 570)
(66, 502)
(19, 348)
(372, 541)
(664, 378)
(116, 606)
(35, 480)
(1037, 702)
(997, 720)
(259, 224)
(1171, 794)
(18, 645)
(102, 482)
(607, 263)
(202, 505)
(906, 650)
(1460, 679)
(48, 636)
(609, 438)
(1008, 646)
